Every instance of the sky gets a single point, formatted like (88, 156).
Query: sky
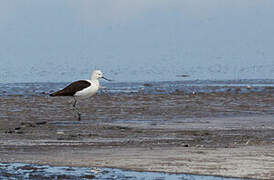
(137, 40)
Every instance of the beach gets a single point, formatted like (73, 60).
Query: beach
(218, 133)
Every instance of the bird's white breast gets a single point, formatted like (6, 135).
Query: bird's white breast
(89, 91)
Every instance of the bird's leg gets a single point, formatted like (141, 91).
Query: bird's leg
(74, 104)
(79, 115)
(77, 111)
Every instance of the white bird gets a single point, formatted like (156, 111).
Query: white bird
(82, 89)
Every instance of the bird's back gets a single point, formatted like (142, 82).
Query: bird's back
(89, 91)
(72, 88)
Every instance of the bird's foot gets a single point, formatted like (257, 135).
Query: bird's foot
(79, 117)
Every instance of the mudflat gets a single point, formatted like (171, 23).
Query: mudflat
(225, 134)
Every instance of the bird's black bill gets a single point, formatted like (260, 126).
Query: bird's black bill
(107, 79)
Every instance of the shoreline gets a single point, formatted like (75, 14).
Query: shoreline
(231, 165)
(146, 169)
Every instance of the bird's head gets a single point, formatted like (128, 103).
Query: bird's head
(97, 74)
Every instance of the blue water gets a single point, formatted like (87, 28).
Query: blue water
(167, 87)
(34, 171)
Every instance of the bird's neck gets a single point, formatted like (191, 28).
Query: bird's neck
(92, 77)
(95, 81)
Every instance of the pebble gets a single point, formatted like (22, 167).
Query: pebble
(41, 122)
(19, 132)
(60, 133)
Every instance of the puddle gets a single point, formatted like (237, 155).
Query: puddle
(33, 171)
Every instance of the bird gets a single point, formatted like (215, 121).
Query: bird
(82, 89)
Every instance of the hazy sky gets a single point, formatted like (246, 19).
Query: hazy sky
(136, 40)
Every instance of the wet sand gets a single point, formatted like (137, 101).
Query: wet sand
(225, 134)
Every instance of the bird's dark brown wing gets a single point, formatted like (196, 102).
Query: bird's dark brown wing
(71, 89)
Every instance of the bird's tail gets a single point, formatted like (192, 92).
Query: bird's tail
(52, 94)
(62, 92)
(58, 93)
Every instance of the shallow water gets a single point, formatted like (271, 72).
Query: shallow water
(197, 86)
(34, 171)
